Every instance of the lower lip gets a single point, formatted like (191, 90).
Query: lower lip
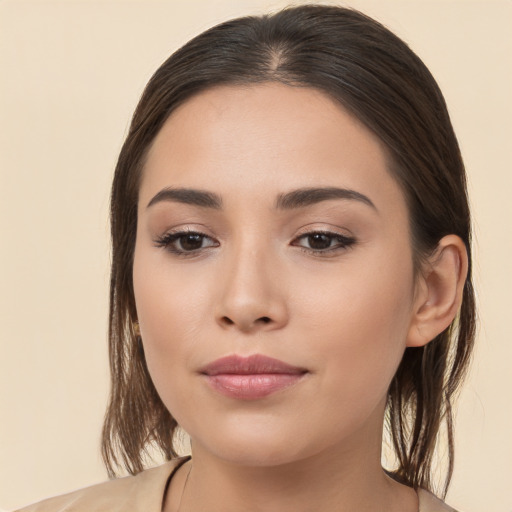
(254, 386)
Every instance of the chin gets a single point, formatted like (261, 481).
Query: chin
(255, 445)
(261, 455)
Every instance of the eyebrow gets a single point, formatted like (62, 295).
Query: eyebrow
(294, 199)
(308, 196)
(188, 196)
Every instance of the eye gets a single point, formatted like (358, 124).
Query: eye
(323, 241)
(185, 242)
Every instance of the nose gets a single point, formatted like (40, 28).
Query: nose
(253, 296)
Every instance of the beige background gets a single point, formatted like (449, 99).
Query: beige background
(70, 75)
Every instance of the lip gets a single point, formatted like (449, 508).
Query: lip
(250, 378)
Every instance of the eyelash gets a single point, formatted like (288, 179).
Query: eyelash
(343, 242)
(168, 241)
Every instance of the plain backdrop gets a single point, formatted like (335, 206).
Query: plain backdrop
(70, 76)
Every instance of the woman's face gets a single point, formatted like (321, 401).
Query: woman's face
(269, 225)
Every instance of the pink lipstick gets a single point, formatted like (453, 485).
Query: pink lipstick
(250, 378)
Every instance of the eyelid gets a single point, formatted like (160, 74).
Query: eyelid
(327, 229)
(166, 240)
(171, 237)
(346, 241)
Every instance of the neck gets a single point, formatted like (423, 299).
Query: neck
(337, 480)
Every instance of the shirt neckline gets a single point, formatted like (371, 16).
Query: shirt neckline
(424, 497)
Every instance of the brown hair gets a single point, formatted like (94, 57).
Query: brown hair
(374, 75)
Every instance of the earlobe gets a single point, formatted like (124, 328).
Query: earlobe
(439, 291)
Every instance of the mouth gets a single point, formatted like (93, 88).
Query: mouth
(251, 378)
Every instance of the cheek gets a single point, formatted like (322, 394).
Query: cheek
(358, 324)
(169, 312)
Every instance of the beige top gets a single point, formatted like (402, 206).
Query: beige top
(145, 493)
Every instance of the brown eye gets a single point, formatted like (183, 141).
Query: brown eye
(323, 242)
(185, 242)
(190, 242)
(319, 241)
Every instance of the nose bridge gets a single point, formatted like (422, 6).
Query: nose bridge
(252, 297)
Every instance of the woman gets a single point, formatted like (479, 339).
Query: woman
(291, 270)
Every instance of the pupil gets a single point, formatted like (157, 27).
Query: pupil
(191, 242)
(319, 241)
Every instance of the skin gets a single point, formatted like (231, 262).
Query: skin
(253, 285)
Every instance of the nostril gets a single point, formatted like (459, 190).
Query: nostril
(262, 320)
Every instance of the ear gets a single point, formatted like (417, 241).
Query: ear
(439, 291)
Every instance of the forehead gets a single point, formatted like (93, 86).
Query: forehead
(267, 137)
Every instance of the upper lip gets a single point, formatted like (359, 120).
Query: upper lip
(251, 365)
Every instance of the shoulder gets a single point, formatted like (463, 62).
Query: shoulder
(144, 492)
(430, 503)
